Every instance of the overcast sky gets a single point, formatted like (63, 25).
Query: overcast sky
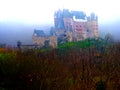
(40, 12)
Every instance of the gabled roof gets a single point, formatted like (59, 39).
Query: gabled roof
(39, 33)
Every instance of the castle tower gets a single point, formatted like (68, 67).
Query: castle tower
(58, 20)
(79, 28)
(68, 23)
(92, 25)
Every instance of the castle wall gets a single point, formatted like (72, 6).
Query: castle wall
(53, 41)
(70, 36)
(79, 30)
(68, 23)
(39, 40)
(57, 22)
(93, 26)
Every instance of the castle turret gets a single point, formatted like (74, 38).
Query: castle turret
(58, 20)
(92, 25)
(68, 23)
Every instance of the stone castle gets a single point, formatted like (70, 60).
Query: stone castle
(68, 26)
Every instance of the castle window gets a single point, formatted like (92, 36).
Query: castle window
(76, 25)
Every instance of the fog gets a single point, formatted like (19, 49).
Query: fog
(10, 33)
(19, 18)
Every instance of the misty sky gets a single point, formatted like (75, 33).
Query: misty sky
(18, 18)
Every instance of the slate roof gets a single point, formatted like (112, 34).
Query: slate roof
(39, 33)
(79, 14)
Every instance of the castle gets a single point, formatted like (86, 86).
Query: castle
(68, 26)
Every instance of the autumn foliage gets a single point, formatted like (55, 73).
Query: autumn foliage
(76, 69)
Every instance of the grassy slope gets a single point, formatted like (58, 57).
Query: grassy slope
(79, 44)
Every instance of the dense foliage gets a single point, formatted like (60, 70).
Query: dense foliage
(78, 69)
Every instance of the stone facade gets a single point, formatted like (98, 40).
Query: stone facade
(52, 41)
(80, 25)
(39, 40)
(71, 25)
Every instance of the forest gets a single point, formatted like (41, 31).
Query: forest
(86, 65)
